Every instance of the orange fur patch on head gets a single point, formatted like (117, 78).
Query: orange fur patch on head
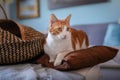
(56, 26)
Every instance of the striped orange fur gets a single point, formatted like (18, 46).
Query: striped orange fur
(78, 36)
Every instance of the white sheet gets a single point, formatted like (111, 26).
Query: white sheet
(35, 72)
(115, 62)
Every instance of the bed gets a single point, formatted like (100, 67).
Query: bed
(28, 71)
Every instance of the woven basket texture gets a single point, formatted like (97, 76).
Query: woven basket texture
(19, 43)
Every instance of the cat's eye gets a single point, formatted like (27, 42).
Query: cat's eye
(60, 29)
(68, 29)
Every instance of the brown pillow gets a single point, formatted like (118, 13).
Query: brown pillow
(82, 58)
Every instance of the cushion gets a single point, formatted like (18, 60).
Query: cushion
(82, 58)
(112, 37)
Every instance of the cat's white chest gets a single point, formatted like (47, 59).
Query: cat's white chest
(55, 47)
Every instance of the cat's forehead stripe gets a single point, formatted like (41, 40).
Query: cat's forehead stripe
(65, 28)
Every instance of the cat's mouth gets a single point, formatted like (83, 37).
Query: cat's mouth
(64, 37)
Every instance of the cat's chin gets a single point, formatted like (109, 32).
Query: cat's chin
(63, 38)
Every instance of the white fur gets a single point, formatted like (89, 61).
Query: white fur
(58, 46)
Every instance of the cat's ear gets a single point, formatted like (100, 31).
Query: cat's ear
(68, 18)
(53, 18)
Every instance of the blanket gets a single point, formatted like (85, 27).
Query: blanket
(35, 72)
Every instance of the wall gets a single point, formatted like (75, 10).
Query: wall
(84, 14)
(6, 8)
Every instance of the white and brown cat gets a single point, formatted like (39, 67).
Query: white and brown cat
(62, 39)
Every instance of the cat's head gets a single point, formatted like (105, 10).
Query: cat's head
(59, 28)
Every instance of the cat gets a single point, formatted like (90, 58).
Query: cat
(62, 39)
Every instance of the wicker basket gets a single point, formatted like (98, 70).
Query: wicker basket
(19, 43)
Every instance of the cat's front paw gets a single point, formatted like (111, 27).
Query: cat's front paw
(57, 62)
(51, 60)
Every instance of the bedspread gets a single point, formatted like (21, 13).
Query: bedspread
(35, 72)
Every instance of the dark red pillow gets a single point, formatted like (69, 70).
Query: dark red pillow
(82, 58)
